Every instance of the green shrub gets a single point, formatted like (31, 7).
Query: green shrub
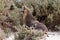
(26, 34)
(1, 4)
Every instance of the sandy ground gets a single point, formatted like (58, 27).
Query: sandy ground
(53, 36)
(11, 37)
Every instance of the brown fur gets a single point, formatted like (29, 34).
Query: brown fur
(29, 20)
